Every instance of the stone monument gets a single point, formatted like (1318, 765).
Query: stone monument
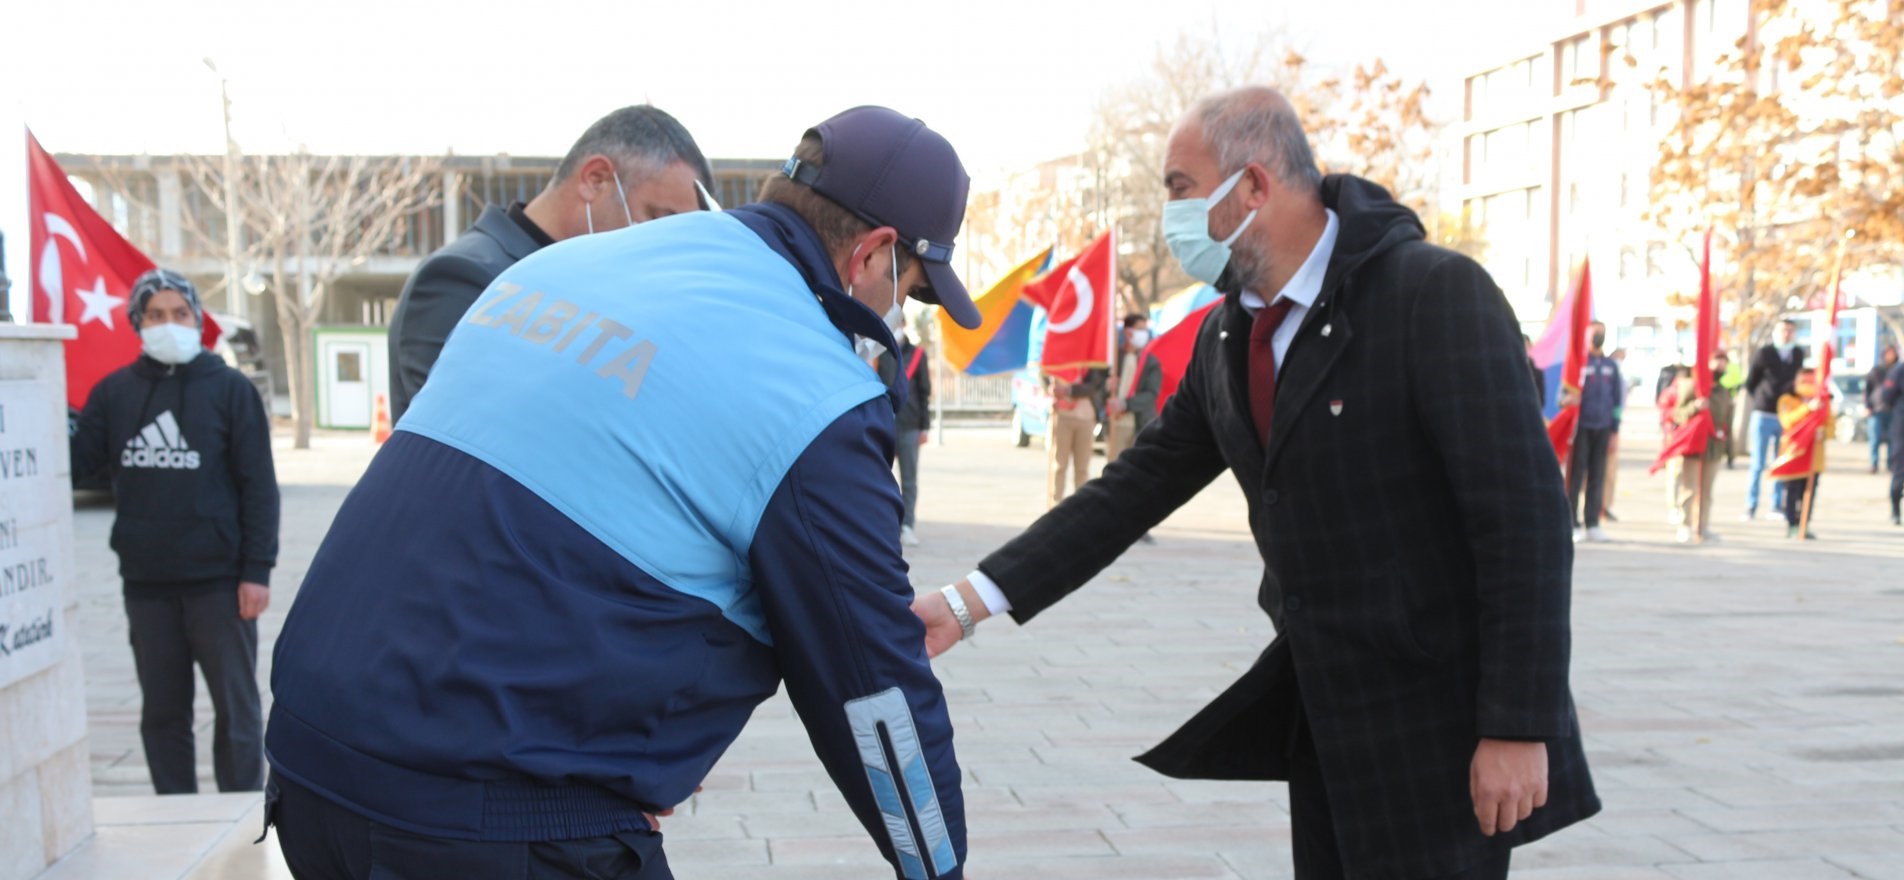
(45, 775)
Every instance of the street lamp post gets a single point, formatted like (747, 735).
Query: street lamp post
(234, 294)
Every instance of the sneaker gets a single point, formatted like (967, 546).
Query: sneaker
(1709, 537)
(1774, 515)
(1683, 536)
(907, 538)
(1749, 516)
(1579, 536)
(1897, 520)
(1599, 536)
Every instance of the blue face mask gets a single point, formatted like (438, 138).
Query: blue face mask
(1187, 231)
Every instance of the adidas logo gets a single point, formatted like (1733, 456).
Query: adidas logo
(160, 445)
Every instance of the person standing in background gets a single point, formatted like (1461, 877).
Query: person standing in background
(1893, 395)
(1692, 484)
(1613, 446)
(1667, 404)
(1068, 445)
(1139, 381)
(1881, 411)
(1774, 369)
(188, 445)
(912, 421)
(1601, 388)
(1793, 407)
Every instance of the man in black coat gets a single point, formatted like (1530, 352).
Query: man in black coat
(1404, 499)
(636, 164)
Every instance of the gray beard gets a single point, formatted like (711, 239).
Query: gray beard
(1242, 273)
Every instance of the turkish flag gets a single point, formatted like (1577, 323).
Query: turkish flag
(82, 271)
(1693, 437)
(1172, 349)
(1565, 424)
(1078, 299)
(1798, 447)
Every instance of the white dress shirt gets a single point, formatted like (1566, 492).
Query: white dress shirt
(1301, 290)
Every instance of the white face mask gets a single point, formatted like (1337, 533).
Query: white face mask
(1139, 338)
(895, 317)
(171, 343)
(1187, 231)
(588, 216)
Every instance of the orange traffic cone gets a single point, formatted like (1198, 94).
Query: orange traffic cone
(380, 423)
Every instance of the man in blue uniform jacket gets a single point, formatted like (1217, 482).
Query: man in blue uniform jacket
(559, 591)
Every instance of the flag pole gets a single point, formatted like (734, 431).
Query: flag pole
(1699, 498)
(1804, 517)
(1113, 359)
(1824, 389)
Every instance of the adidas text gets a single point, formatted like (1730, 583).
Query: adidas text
(159, 458)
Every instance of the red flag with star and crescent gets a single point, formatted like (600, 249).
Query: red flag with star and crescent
(1693, 437)
(82, 270)
(1078, 298)
(1798, 446)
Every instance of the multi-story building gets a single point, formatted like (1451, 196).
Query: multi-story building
(161, 206)
(1559, 140)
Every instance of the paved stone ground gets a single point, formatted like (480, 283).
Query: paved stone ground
(1743, 703)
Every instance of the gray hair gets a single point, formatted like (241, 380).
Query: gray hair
(641, 140)
(1242, 127)
(148, 285)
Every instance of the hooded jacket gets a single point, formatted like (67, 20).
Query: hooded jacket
(188, 449)
(1415, 540)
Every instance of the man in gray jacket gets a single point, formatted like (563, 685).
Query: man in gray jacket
(637, 163)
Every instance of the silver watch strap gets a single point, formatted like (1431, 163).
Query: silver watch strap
(964, 614)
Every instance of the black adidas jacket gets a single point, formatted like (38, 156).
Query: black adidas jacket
(189, 450)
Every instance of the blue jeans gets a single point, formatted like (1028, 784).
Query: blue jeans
(1765, 434)
(1880, 428)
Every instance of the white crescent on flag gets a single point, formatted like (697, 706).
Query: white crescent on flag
(52, 281)
(1081, 285)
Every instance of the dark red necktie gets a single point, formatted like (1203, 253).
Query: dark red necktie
(1262, 364)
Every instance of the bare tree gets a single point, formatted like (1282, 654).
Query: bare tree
(310, 219)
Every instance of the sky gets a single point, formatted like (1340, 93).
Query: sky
(1009, 83)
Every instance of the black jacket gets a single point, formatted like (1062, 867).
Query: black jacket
(1874, 388)
(1149, 384)
(1771, 376)
(1416, 540)
(916, 413)
(436, 297)
(189, 451)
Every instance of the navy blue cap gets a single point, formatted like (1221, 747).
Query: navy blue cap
(891, 170)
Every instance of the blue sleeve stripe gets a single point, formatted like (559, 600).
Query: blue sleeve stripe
(888, 710)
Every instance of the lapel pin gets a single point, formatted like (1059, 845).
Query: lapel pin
(1328, 329)
(1223, 334)
(1335, 406)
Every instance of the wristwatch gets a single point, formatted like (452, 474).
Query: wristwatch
(957, 602)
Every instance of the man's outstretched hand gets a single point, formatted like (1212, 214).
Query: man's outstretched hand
(942, 627)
